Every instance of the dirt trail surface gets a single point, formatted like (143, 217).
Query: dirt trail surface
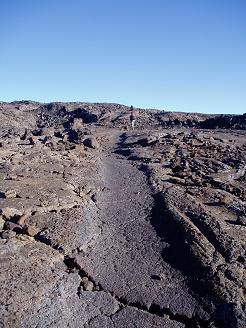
(126, 259)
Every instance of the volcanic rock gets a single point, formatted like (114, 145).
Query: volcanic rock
(146, 230)
(7, 234)
(241, 220)
(91, 142)
(2, 223)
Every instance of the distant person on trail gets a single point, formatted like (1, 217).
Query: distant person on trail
(132, 117)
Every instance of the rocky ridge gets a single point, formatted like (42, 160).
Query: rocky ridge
(110, 115)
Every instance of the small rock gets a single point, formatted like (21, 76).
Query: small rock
(34, 140)
(86, 189)
(23, 134)
(81, 193)
(176, 180)
(31, 231)
(155, 277)
(224, 199)
(89, 287)
(48, 132)
(13, 177)
(25, 238)
(91, 143)
(13, 226)
(15, 161)
(77, 124)
(150, 140)
(60, 248)
(22, 219)
(196, 142)
(10, 194)
(84, 281)
(162, 276)
(241, 220)
(7, 234)
(2, 195)
(2, 223)
(87, 284)
(94, 197)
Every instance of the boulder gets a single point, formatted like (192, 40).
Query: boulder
(150, 140)
(7, 234)
(12, 226)
(91, 142)
(9, 213)
(31, 231)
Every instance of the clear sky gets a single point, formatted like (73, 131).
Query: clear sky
(182, 55)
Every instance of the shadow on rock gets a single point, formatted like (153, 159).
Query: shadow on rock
(179, 256)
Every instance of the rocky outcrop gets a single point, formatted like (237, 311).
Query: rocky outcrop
(237, 122)
(110, 115)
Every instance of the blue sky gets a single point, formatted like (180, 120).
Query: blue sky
(181, 55)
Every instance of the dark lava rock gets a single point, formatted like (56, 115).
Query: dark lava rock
(241, 220)
(13, 226)
(91, 143)
(225, 122)
(7, 234)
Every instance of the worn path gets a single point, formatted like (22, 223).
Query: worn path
(126, 259)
